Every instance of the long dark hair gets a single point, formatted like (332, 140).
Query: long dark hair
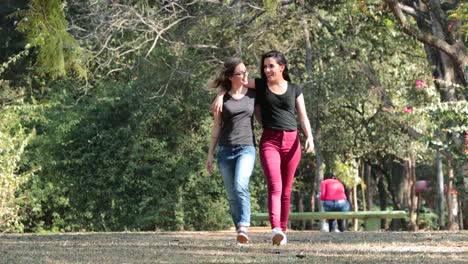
(227, 70)
(280, 59)
(329, 175)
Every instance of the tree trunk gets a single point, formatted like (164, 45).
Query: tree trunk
(240, 8)
(318, 170)
(463, 197)
(446, 70)
(400, 184)
(369, 186)
(382, 196)
(309, 224)
(316, 122)
(412, 180)
(460, 212)
(355, 199)
(451, 205)
(397, 184)
(440, 191)
(363, 183)
(300, 208)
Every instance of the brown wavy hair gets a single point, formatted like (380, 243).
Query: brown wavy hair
(221, 79)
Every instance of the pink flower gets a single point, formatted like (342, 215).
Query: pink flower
(408, 109)
(421, 84)
(450, 26)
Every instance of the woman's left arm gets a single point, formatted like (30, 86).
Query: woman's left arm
(305, 124)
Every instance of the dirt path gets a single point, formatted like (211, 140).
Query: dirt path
(220, 247)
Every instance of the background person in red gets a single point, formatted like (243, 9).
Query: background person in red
(332, 193)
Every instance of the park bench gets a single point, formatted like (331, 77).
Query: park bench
(371, 218)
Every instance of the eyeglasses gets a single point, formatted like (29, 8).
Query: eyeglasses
(241, 74)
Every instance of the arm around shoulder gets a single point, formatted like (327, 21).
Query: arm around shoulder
(217, 104)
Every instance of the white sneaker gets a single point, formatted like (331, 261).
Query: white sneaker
(242, 237)
(277, 236)
(284, 241)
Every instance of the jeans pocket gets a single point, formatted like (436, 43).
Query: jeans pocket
(328, 205)
(223, 152)
(248, 150)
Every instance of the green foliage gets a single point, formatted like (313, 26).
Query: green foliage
(460, 18)
(271, 6)
(428, 219)
(14, 59)
(442, 124)
(361, 64)
(13, 139)
(45, 27)
(347, 173)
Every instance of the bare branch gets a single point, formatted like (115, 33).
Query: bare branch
(322, 20)
(408, 9)
(164, 30)
(117, 30)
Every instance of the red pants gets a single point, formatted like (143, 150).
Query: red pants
(280, 153)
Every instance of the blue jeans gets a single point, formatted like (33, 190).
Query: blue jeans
(236, 165)
(336, 206)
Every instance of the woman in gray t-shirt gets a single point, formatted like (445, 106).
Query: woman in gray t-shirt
(233, 133)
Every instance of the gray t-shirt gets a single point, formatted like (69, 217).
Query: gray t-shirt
(237, 120)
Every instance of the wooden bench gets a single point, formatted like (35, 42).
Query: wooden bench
(371, 218)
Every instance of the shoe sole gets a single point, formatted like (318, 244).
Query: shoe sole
(277, 239)
(243, 239)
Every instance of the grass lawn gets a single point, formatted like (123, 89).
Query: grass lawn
(221, 247)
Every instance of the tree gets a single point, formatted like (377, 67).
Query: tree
(446, 50)
(430, 23)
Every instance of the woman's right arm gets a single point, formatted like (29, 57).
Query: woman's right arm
(215, 131)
